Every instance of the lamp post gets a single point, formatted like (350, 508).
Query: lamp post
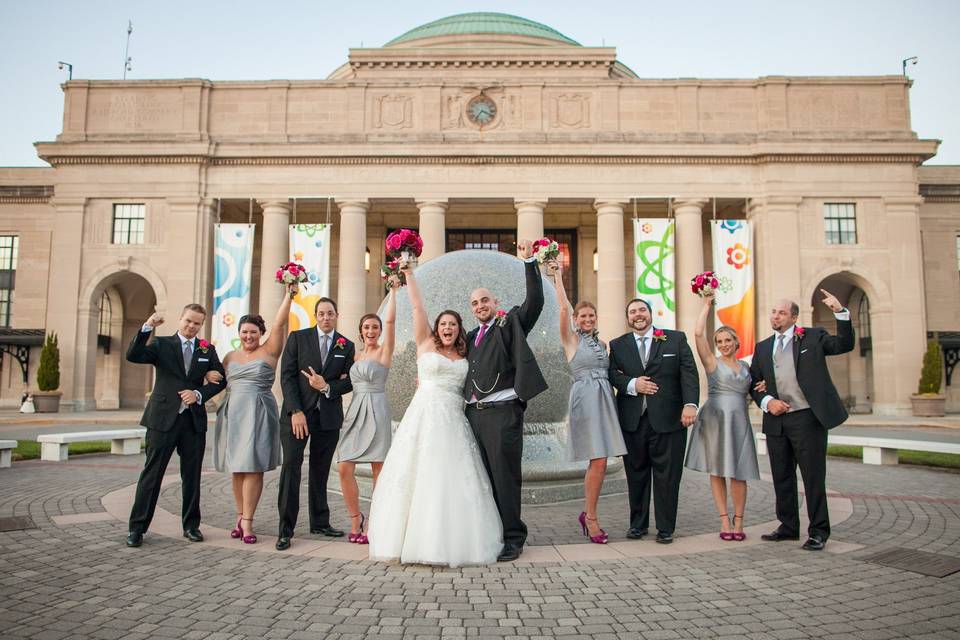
(61, 64)
(911, 59)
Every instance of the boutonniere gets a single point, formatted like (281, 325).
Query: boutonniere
(341, 341)
(501, 317)
(799, 332)
(660, 335)
(204, 346)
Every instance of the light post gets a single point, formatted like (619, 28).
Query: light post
(61, 65)
(911, 60)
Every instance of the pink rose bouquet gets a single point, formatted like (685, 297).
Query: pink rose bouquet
(545, 250)
(704, 283)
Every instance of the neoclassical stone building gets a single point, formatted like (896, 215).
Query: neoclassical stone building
(477, 129)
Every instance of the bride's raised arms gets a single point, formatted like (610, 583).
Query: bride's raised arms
(422, 333)
(568, 337)
(389, 328)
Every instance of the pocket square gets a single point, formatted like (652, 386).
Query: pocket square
(203, 359)
(803, 351)
(336, 356)
(669, 355)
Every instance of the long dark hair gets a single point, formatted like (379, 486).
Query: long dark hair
(461, 342)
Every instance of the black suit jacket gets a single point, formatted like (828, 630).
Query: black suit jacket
(301, 351)
(810, 360)
(504, 359)
(671, 366)
(166, 355)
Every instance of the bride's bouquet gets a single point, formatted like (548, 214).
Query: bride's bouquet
(704, 283)
(290, 275)
(546, 250)
(406, 244)
(392, 268)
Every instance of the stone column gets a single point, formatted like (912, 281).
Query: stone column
(351, 283)
(611, 271)
(63, 304)
(776, 256)
(529, 218)
(433, 228)
(274, 251)
(689, 262)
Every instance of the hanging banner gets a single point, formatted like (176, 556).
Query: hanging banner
(310, 247)
(733, 266)
(654, 276)
(233, 261)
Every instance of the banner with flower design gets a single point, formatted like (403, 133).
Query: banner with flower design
(733, 266)
(232, 265)
(654, 269)
(310, 247)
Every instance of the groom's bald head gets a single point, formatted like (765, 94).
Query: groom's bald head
(483, 304)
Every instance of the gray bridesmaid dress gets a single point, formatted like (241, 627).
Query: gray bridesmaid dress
(593, 429)
(366, 424)
(721, 442)
(247, 434)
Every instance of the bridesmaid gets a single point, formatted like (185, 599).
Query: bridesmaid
(721, 442)
(593, 431)
(247, 433)
(366, 424)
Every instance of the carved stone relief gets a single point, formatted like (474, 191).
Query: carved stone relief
(393, 111)
(570, 111)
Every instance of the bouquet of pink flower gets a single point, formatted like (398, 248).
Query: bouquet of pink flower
(704, 283)
(290, 275)
(392, 268)
(404, 241)
(545, 250)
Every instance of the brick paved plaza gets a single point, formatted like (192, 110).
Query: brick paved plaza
(73, 577)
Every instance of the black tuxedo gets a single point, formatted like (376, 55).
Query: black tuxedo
(799, 438)
(324, 418)
(167, 428)
(503, 360)
(655, 437)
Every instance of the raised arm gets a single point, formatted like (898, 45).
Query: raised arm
(389, 328)
(529, 311)
(141, 350)
(844, 341)
(421, 325)
(567, 336)
(278, 329)
(704, 348)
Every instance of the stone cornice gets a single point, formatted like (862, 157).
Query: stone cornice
(24, 199)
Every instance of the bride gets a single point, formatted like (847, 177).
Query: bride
(433, 503)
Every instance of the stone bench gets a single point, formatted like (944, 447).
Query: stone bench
(878, 450)
(125, 442)
(6, 452)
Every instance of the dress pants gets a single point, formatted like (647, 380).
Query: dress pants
(189, 445)
(656, 455)
(323, 444)
(499, 432)
(803, 443)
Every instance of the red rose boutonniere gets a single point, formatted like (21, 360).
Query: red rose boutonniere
(501, 317)
(204, 346)
(341, 341)
(659, 334)
(799, 332)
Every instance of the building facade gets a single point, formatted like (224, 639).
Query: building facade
(478, 130)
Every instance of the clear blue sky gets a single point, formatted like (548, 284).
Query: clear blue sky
(295, 39)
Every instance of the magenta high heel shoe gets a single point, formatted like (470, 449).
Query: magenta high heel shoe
(600, 538)
(251, 539)
(738, 536)
(237, 530)
(726, 535)
(359, 538)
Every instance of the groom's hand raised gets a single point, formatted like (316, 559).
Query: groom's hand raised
(525, 249)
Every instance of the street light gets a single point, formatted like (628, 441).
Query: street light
(61, 65)
(911, 60)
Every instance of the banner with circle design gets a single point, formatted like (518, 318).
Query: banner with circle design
(733, 266)
(654, 268)
(232, 264)
(310, 247)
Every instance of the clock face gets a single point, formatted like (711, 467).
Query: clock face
(481, 110)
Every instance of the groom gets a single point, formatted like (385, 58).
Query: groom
(503, 377)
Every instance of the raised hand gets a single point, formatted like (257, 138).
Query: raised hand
(315, 379)
(831, 301)
(155, 320)
(709, 296)
(525, 249)
(554, 269)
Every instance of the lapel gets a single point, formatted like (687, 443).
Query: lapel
(178, 352)
(796, 350)
(633, 349)
(312, 338)
(654, 350)
(332, 349)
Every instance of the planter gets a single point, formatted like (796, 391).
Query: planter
(47, 401)
(924, 406)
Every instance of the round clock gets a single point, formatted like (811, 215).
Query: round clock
(481, 110)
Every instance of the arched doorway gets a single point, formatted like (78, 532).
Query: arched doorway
(852, 373)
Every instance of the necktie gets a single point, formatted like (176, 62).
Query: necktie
(781, 342)
(643, 350)
(323, 348)
(187, 355)
(480, 334)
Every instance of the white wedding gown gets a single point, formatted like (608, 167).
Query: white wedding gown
(433, 503)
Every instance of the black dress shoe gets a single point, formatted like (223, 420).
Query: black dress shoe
(664, 538)
(193, 535)
(777, 536)
(328, 531)
(636, 534)
(509, 554)
(283, 543)
(134, 539)
(814, 543)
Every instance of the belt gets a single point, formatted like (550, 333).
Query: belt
(481, 405)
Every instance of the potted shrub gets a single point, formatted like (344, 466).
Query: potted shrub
(47, 400)
(928, 401)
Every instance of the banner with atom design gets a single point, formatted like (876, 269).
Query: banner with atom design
(232, 263)
(733, 265)
(310, 246)
(654, 270)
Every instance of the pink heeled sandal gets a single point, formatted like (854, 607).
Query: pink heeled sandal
(600, 538)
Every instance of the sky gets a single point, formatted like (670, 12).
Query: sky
(297, 39)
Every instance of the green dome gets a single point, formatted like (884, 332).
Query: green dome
(482, 23)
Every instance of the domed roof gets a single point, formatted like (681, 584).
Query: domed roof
(483, 23)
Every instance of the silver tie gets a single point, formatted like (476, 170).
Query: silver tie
(187, 355)
(643, 350)
(323, 349)
(781, 342)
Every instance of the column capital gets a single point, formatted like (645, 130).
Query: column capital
(439, 203)
(353, 203)
(532, 202)
(275, 203)
(610, 203)
(690, 203)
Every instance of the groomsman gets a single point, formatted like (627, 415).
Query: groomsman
(658, 390)
(314, 377)
(799, 406)
(175, 417)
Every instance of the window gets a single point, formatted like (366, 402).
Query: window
(866, 341)
(493, 239)
(106, 315)
(9, 247)
(128, 223)
(840, 223)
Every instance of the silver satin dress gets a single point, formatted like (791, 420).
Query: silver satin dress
(366, 424)
(593, 429)
(721, 441)
(247, 434)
